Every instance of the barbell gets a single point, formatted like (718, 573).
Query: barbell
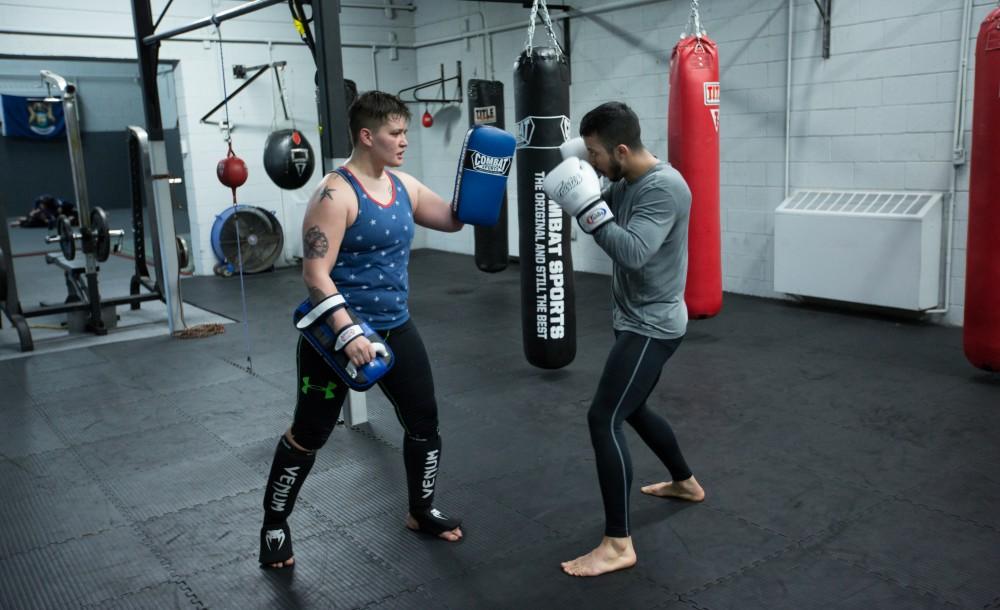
(97, 239)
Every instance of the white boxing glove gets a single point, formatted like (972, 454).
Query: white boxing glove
(574, 185)
(573, 148)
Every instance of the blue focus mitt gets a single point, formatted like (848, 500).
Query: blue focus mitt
(330, 343)
(482, 175)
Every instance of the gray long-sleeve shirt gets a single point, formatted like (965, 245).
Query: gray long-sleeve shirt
(647, 242)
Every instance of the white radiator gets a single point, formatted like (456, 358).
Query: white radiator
(877, 248)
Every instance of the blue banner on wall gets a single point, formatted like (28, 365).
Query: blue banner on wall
(31, 117)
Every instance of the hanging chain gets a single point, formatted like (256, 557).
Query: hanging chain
(276, 86)
(225, 94)
(548, 28)
(236, 216)
(531, 29)
(547, 20)
(693, 27)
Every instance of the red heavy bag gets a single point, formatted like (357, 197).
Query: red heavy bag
(981, 333)
(693, 149)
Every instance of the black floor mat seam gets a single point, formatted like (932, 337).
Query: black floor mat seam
(360, 546)
(835, 527)
(373, 436)
(740, 571)
(129, 517)
(328, 520)
(124, 596)
(201, 505)
(53, 543)
(939, 511)
(253, 553)
(396, 595)
(742, 519)
(889, 579)
(693, 603)
(554, 533)
(203, 386)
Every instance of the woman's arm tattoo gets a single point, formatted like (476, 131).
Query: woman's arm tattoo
(316, 244)
(315, 295)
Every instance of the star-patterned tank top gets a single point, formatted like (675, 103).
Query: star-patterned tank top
(371, 269)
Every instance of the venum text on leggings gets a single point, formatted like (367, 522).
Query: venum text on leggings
(550, 291)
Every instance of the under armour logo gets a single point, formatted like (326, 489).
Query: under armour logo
(274, 536)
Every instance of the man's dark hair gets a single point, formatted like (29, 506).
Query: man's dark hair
(613, 123)
(372, 109)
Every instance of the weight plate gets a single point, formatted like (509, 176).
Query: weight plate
(67, 242)
(99, 230)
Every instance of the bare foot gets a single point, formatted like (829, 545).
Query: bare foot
(688, 489)
(283, 564)
(451, 535)
(611, 555)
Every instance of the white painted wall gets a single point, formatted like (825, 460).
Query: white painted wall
(877, 114)
(199, 81)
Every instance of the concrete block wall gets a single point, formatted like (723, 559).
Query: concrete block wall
(878, 114)
(103, 29)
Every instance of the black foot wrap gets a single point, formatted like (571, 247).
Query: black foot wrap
(434, 522)
(275, 544)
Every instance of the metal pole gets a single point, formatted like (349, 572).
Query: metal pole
(71, 112)
(142, 18)
(381, 7)
(572, 14)
(788, 94)
(75, 141)
(334, 136)
(243, 9)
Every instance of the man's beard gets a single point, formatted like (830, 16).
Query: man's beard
(615, 171)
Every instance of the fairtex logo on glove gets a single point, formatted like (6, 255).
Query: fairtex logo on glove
(568, 185)
(595, 216)
(487, 164)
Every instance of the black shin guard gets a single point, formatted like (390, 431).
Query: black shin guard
(288, 470)
(421, 458)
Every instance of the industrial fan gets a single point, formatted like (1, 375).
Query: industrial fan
(259, 242)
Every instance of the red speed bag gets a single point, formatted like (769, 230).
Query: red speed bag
(981, 331)
(232, 170)
(693, 150)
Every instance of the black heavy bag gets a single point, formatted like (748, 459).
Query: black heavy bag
(541, 108)
(486, 108)
(288, 158)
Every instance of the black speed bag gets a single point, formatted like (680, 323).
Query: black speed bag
(288, 158)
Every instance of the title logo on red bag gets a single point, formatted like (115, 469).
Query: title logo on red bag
(712, 94)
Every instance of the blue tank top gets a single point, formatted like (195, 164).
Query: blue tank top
(371, 269)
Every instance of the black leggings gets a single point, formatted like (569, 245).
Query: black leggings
(630, 374)
(409, 386)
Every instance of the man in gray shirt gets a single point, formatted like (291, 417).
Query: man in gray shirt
(641, 222)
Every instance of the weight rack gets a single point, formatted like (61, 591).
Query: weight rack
(95, 237)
